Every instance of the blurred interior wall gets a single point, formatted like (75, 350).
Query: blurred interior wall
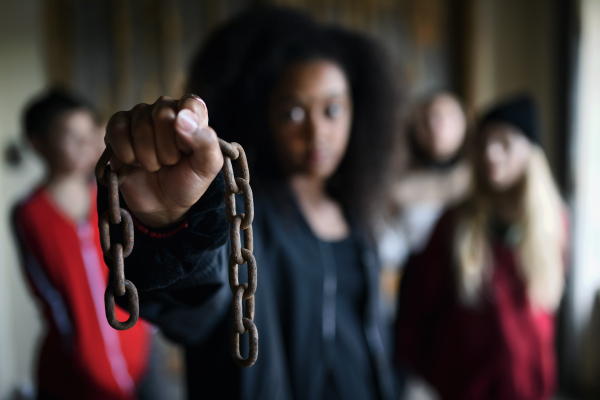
(21, 76)
(511, 47)
(586, 164)
(119, 53)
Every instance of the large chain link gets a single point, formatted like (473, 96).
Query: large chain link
(239, 255)
(119, 286)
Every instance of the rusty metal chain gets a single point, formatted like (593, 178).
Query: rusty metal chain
(119, 286)
(239, 255)
(115, 215)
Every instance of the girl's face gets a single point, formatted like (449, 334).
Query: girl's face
(505, 155)
(441, 127)
(310, 117)
(75, 143)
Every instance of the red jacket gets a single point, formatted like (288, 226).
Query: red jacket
(499, 350)
(81, 357)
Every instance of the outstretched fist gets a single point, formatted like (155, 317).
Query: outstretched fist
(174, 152)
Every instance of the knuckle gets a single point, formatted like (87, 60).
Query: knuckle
(163, 107)
(169, 157)
(153, 168)
(140, 107)
(125, 155)
(211, 136)
(120, 124)
(164, 99)
(150, 164)
(140, 125)
(117, 123)
(119, 116)
(117, 130)
(163, 114)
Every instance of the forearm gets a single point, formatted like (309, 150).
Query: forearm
(189, 309)
(177, 276)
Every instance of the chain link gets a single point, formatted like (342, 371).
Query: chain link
(117, 252)
(119, 286)
(240, 255)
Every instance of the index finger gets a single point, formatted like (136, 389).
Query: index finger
(195, 104)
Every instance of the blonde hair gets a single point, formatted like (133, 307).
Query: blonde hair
(539, 250)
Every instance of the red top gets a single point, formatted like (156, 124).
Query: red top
(500, 350)
(81, 357)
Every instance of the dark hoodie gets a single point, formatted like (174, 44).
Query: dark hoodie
(183, 288)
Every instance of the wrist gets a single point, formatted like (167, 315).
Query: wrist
(160, 220)
(159, 233)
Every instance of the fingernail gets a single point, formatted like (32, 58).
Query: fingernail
(196, 97)
(187, 121)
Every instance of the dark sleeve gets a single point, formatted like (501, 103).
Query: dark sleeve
(423, 291)
(182, 279)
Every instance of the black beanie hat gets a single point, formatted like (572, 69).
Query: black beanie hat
(519, 111)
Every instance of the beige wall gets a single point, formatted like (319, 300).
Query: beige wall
(21, 75)
(513, 49)
(586, 164)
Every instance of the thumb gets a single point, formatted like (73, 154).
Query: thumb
(205, 157)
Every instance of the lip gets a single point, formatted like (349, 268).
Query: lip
(317, 156)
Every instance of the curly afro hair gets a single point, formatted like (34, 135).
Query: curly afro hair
(238, 68)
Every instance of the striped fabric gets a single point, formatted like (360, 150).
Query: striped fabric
(81, 355)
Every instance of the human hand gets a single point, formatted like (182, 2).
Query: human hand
(175, 155)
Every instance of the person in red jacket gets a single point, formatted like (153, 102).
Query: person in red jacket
(477, 306)
(81, 357)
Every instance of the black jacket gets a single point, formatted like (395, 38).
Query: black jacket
(183, 288)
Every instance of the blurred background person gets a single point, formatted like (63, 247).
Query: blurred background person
(439, 176)
(477, 306)
(81, 356)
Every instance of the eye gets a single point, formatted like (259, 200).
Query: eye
(296, 114)
(334, 110)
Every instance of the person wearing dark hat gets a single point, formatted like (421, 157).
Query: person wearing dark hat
(476, 316)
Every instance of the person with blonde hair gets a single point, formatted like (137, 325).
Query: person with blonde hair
(477, 306)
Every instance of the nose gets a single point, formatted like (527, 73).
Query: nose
(493, 152)
(316, 128)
